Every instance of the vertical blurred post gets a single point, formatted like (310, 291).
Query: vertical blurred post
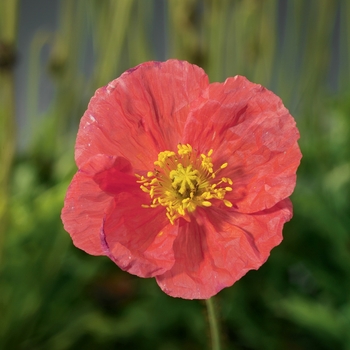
(8, 31)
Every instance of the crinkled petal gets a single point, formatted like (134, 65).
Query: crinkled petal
(139, 240)
(141, 113)
(248, 127)
(220, 247)
(118, 177)
(89, 196)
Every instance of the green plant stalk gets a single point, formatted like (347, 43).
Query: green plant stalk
(216, 23)
(184, 33)
(213, 324)
(112, 26)
(7, 146)
(8, 31)
(138, 44)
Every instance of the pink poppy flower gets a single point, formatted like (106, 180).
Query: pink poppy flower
(182, 180)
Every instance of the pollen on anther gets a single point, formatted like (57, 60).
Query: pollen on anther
(144, 189)
(227, 203)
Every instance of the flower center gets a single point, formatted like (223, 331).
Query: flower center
(181, 182)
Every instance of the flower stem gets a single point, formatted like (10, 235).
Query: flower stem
(213, 324)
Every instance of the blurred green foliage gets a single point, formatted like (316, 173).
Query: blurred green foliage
(54, 296)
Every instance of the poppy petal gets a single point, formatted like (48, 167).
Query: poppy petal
(219, 249)
(89, 195)
(139, 240)
(83, 211)
(248, 127)
(141, 113)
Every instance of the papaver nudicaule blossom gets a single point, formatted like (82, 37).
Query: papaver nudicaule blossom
(182, 180)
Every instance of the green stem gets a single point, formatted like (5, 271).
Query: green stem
(213, 324)
(8, 30)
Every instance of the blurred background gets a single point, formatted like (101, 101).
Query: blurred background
(54, 55)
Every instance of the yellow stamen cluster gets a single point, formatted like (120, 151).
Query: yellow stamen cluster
(181, 182)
